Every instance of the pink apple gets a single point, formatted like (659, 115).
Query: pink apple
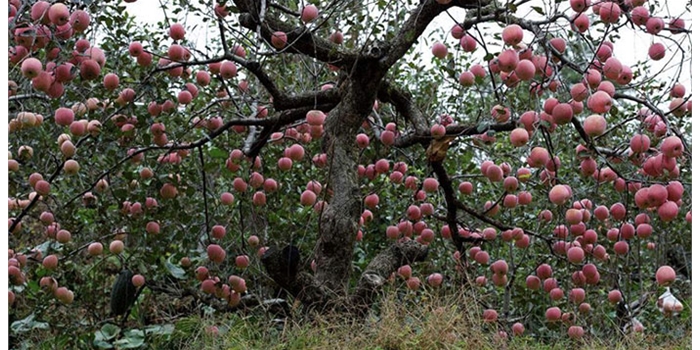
(152, 227)
(490, 315)
(59, 14)
(580, 22)
(579, 5)
(640, 143)
(430, 185)
(284, 163)
(435, 279)
(227, 198)
(676, 25)
(621, 248)
(532, 282)
(279, 40)
(439, 50)
(31, 67)
(575, 255)
(525, 70)
(665, 275)
(672, 147)
(614, 296)
(177, 31)
(519, 137)
(562, 113)
(552, 314)
(413, 283)
(600, 102)
(116, 247)
(512, 34)
(372, 200)
(466, 78)
(594, 125)
(478, 70)
(654, 25)
(392, 232)
(575, 332)
(668, 211)
(387, 137)
(657, 51)
(499, 267)
(609, 12)
(437, 131)
(215, 253)
(228, 70)
(559, 194)
(309, 13)
(64, 295)
(308, 198)
(507, 61)
(242, 261)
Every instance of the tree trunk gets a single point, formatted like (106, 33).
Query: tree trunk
(339, 220)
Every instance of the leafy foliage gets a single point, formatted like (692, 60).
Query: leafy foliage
(188, 169)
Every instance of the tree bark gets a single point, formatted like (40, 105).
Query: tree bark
(339, 220)
(381, 267)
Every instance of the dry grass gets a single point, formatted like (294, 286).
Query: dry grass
(401, 321)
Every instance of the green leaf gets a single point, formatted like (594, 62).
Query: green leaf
(107, 332)
(175, 271)
(538, 10)
(164, 329)
(614, 111)
(133, 338)
(101, 344)
(27, 324)
(216, 152)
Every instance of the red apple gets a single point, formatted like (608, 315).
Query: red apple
(279, 40)
(609, 12)
(614, 296)
(665, 275)
(512, 34)
(552, 314)
(439, 50)
(600, 102)
(215, 253)
(657, 51)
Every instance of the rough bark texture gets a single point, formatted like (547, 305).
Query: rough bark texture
(339, 220)
(381, 267)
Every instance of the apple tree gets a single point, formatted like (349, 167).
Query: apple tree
(242, 150)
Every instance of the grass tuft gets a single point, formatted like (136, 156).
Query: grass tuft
(401, 320)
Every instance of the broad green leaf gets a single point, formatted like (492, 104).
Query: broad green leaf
(175, 271)
(107, 332)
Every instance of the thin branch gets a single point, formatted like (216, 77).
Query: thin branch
(446, 184)
(28, 96)
(204, 192)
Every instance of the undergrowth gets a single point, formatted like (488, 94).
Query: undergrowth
(399, 321)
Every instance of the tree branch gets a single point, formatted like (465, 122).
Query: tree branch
(410, 139)
(381, 267)
(415, 25)
(403, 103)
(299, 39)
(446, 184)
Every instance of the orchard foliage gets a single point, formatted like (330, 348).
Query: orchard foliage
(237, 150)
